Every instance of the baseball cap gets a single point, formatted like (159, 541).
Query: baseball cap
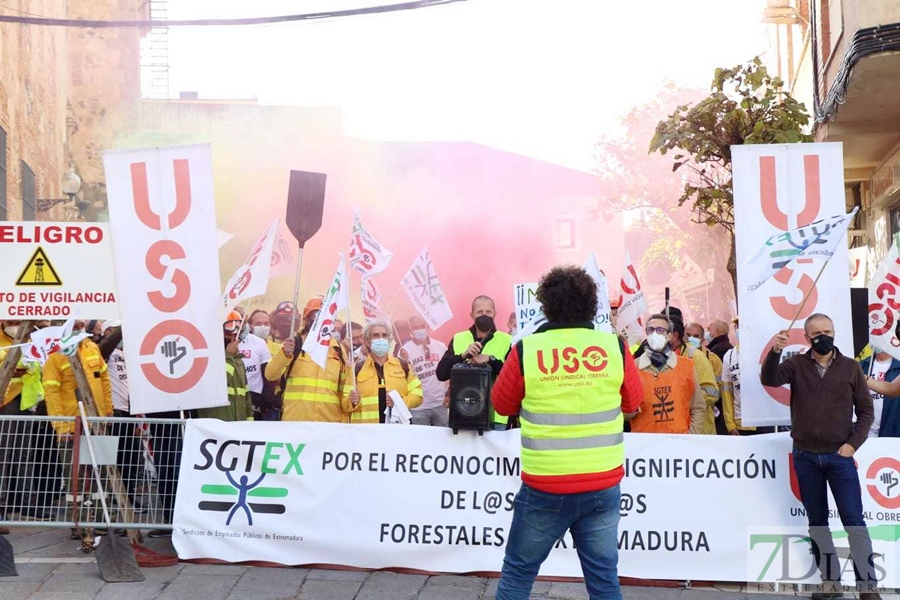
(233, 322)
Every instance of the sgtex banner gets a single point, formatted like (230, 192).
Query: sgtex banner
(423, 498)
(778, 188)
(163, 221)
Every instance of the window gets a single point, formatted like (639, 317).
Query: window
(2, 174)
(28, 199)
(566, 233)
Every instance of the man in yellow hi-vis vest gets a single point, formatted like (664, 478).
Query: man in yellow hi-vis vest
(480, 344)
(570, 386)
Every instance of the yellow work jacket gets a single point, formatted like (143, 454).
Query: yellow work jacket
(708, 381)
(60, 386)
(15, 384)
(404, 382)
(312, 393)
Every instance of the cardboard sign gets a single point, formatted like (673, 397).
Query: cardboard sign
(56, 270)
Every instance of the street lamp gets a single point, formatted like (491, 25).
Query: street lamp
(71, 185)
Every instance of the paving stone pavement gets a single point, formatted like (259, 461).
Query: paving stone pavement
(51, 568)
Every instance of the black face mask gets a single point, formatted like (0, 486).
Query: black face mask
(484, 323)
(823, 344)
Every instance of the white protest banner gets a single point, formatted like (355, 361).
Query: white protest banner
(603, 320)
(257, 492)
(52, 270)
(47, 341)
(525, 304)
(163, 221)
(283, 261)
(424, 289)
(367, 256)
(859, 258)
(252, 278)
(372, 300)
(632, 305)
(779, 188)
(884, 304)
(337, 299)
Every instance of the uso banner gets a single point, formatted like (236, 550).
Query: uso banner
(165, 250)
(381, 496)
(777, 188)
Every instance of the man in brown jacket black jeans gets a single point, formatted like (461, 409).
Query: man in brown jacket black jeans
(826, 389)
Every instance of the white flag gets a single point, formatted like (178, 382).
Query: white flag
(425, 292)
(51, 340)
(337, 299)
(632, 305)
(282, 257)
(252, 278)
(884, 292)
(603, 320)
(816, 240)
(372, 300)
(367, 256)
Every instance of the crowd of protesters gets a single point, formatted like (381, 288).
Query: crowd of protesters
(689, 375)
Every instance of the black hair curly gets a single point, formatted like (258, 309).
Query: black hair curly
(568, 295)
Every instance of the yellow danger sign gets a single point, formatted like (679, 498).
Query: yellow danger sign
(39, 271)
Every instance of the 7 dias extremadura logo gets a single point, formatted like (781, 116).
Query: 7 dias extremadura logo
(245, 465)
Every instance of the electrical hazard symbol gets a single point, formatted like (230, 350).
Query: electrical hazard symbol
(39, 271)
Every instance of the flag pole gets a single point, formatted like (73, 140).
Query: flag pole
(349, 320)
(808, 294)
(293, 331)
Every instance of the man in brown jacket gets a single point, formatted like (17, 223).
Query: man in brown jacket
(826, 388)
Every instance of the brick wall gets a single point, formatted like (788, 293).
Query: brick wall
(59, 92)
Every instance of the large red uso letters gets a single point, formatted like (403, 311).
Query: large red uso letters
(789, 279)
(172, 251)
(592, 358)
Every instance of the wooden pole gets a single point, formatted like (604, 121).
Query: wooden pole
(112, 473)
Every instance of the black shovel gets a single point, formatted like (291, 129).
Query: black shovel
(306, 202)
(115, 556)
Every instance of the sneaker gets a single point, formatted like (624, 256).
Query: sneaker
(869, 596)
(159, 533)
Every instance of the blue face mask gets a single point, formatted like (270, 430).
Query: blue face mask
(380, 347)
(708, 337)
(693, 341)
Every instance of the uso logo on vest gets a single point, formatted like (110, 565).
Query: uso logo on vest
(593, 358)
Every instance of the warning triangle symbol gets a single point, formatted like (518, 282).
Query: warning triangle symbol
(39, 271)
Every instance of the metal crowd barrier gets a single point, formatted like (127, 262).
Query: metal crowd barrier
(46, 477)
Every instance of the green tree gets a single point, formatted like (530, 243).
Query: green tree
(746, 106)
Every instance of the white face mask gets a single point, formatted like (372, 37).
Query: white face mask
(657, 341)
(262, 332)
(11, 331)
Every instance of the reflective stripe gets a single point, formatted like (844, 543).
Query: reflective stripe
(15, 380)
(89, 356)
(229, 368)
(237, 391)
(312, 382)
(367, 415)
(64, 366)
(594, 441)
(51, 382)
(105, 367)
(295, 396)
(711, 391)
(570, 419)
(414, 386)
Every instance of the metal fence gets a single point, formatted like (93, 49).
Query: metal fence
(47, 478)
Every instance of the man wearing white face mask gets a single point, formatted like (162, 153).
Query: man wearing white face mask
(254, 351)
(715, 418)
(424, 355)
(673, 401)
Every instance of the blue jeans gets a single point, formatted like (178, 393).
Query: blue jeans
(540, 519)
(815, 473)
